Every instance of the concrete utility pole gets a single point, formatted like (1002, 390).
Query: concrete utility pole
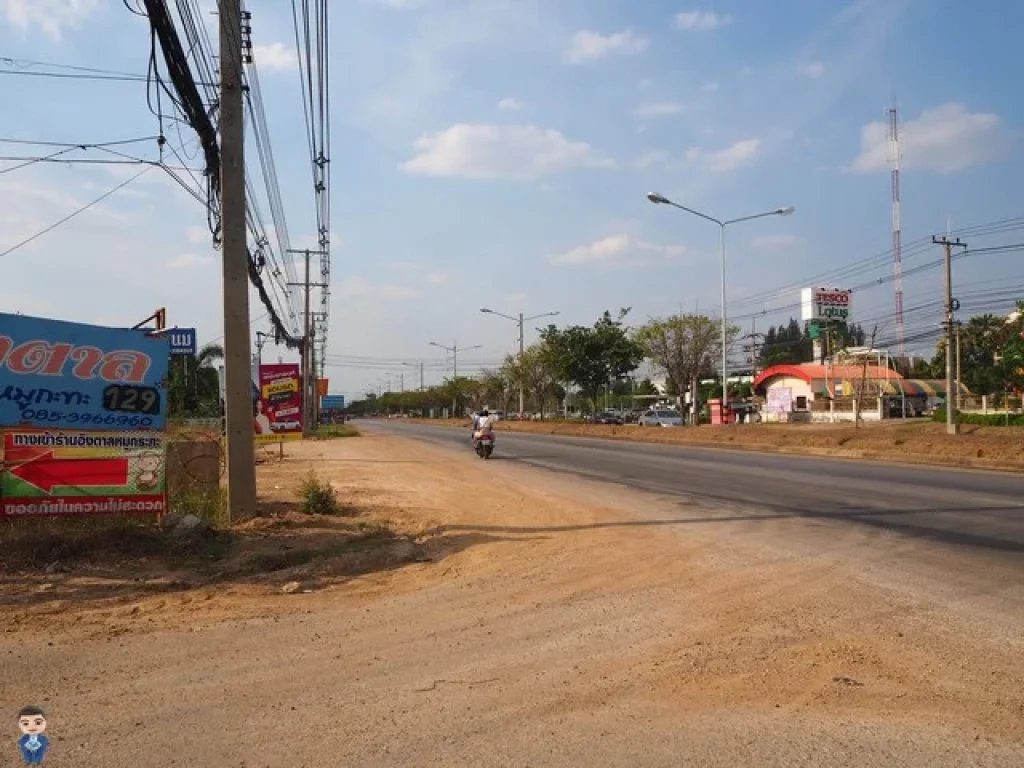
(309, 396)
(958, 326)
(858, 404)
(238, 414)
(454, 350)
(952, 416)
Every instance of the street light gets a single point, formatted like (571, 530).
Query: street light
(520, 320)
(659, 199)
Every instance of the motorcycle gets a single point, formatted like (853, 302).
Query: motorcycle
(483, 444)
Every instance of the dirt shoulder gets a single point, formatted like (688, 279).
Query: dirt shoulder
(470, 613)
(913, 443)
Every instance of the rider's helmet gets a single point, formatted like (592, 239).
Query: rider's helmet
(483, 411)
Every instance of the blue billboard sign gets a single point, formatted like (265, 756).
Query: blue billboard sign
(183, 341)
(72, 375)
(332, 403)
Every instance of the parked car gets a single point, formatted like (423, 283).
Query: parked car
(607, 417)
(661, 418)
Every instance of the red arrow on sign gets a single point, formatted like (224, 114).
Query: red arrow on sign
(46, 472)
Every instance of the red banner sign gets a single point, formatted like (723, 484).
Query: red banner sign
(278, 410)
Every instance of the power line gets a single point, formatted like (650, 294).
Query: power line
(73, 214)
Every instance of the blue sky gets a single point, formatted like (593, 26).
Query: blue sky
(497, 152)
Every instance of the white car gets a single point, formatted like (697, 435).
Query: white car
(660, 418)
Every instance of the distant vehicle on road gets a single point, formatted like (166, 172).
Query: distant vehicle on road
(606, 417)
(661, 418)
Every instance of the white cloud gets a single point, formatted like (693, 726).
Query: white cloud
(814, 69)
(189, 261)
(510, 104)
(618, 251)
(276, 57)
(944, 139)
(487, 151)
(51, 16)
(355, 287)
(652, 158)
(776, 242)
(702, 20)
(198, 235)
(658, 108)
(587, 45)
(709, 87)
(645, 83)
(736, 156)
(401, 5)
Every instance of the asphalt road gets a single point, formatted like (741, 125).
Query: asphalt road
(982, 512)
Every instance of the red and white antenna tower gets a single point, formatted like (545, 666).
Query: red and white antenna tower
(897, 232)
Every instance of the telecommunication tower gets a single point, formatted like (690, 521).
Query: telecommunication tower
(897, 233)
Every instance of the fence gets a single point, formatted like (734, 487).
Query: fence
(991, 404)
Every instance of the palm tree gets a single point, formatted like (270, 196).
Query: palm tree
(208, 355)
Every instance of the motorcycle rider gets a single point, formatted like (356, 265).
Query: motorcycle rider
(482, 422)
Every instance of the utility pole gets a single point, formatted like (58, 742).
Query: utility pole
(859, 402)
(238, 413)
(454, 351)
(952, 416)
(309, 398)
(522, 373)
(958, 326)
(261, 340)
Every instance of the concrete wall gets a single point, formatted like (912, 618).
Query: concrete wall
(193, 467)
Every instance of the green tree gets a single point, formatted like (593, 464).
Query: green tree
(591, 358)
(683, 347)
(536, 373)
(194, 385)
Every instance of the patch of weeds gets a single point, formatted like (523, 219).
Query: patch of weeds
(332, 431)
(899, 441)
(318, 497)
(843, 440)
(211, 507)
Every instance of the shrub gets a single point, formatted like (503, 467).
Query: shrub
(983, 419)
(318, 497)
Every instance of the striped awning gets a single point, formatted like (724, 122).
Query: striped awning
(918, 388)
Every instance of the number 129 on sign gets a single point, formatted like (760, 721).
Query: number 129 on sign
(127, 398)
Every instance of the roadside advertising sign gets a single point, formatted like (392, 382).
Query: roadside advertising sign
(779, 400)
(322, 387)
(332, 403)
(183, 341)
(278, 409)
(55, 374)
(825, 304)
(65, 472)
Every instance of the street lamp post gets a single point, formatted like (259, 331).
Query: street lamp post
(522, 347)
(659, 199)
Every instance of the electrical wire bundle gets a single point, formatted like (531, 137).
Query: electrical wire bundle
(274, 293)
